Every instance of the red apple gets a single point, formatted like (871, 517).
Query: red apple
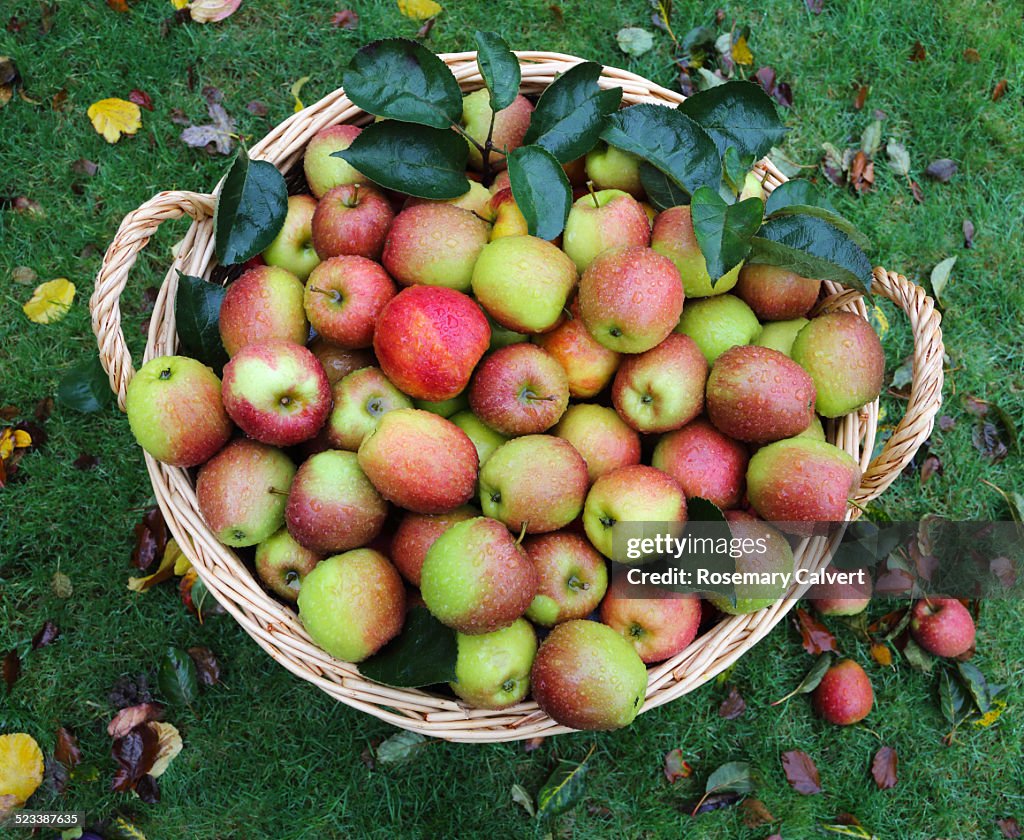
(276, 392)
(602, 220)
(343, 298)
(599, 435)
(282, 563)
(264, 304)
(510, 125)
(942, 626)
(416, 533)
(519, 390)
(658, 624)
(352, 219)
(429, 339)
(435, 245)
(844, 696)
(338, 362)
(663, 388)
(572, 577)
(777, 294)
(588, 365)
(706, 463)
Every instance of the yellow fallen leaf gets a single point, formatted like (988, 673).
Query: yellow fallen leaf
(879, 321)
(179, 4)
(181, 562)
(126, 829)
(741, 53)
(881, 654)
(21, 766)
(419, 9)
(11, 439)
(992, 715)
(168, 746)
(212, 11)
(296, 89)
(114, 117)
(50, 301)
(163, 572)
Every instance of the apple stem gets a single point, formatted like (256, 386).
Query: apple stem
(354, 200)
(532, 397)
(486, 151)
(593, 195)
(275, 492)
(522, 532)
(332, 293)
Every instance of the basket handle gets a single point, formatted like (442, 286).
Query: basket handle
(925, 388)
(105, 304)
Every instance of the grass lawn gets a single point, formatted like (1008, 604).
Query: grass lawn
(267, 755)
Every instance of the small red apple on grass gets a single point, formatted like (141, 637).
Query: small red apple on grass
(942, 626)
(844, 696)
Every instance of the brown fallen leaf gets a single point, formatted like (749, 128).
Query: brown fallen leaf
(46, 635)
(801, 772)
(1009, 828)
(755, 813)
(207, 666)
(971, 55)
(256, 107)
(140, 98)
(941, 170)
(931, 466)
(968, 228)
(883, 768)
(424, 31)
(58, 100)
(530, 744)
(43, 409)
(917, 192)
(557, 13)
(150, 539)
(999, 90)
(120, 6)
(814, 635)
(345, 19)
(862, 173)
(128, 718)
(11, 668)
(134, 753)
(148, 789)
(67, 751)
(85, 461)
(860, 97)
(917, 52)
(733, 705)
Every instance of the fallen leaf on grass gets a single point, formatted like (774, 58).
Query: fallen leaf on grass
(815, 6)
(740, 52)
(207, 666)
(530, 744)
(1009, 828)
(296, 89)
(120, 6)
(968, 229)
(883, 768)
(988, 440)
(419, 9)
(11, 669)
(811, 679)
(860, 97)
(21, 766)
(881, 654)
(917, 192)
(67, 751)
(60, 583)
(134, 753)
(675, 768)
(114, 117)
(168, 746)
(212, 11)
(84, 167)
(85, 462)
(400, 747)
(132, 716)
(971, 55)
(801, 772)
(814, 635)
(940, 277)
(931, 466)
(917, 52)
(140, 98)
(217, 134)
(177, 678)
(23, 275)
(941, 170)
(733, 705)
(564, 788)
(862, 173)
(345, 19)
(46, 635)
(999, 90)
(755, 813)
(50, 301)
(258, 108)
(150, 539)
(424, 31)
(781, 92)
(899, 157)
(634, 41)
(10, 79)
(523, 799)
(725, 787)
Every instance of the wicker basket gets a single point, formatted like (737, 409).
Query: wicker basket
(276, 627)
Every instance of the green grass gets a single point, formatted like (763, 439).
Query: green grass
(269, 755)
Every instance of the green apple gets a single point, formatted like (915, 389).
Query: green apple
(292, 248)
(484, 438)
(492, 670)
(416, 533)
(780, 335)
(603, 220)
(175, 411)
(613, 169)
(323, 170)
(662, 389)
(586, 676)
(718, 323)
(282, 564)
(352, 604)
(510, 125)
(360, 400)
(445, 408)
(264, 304)
(600, 436)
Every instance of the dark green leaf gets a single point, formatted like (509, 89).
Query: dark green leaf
(918, 657)
(976, 684)
(177, 677)
(425, 162)
(737, 114)
(734, 777)
(813, 248)
(251, 208)
(952, 700)
(570, 114)
(811, 679)
(197, 316)
(661, 190)
(736, 167)
(85, 387)
(724, 230)
(499, 67)
(701, 510)
(403, 80)
(400, 747)
(423, 654)
(825, 214)
(797, 191)
(563, 789)
(669, 140)
(541, 190)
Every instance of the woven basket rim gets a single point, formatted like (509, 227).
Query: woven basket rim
(275, 627)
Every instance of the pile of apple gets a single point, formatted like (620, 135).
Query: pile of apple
(479, 407)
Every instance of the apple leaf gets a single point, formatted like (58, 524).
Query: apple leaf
(735, 167)
(251, 209)
(982, 692)
(564, 787)
(724, 230)
(571, 113)
(403, 80)
(177, 677)
(952, 700)
(197, 318)
(85, 387)
(400, 747)
(883, 768)
(670, 141)
(739, 114)
(812, 679)
(499, 67)
(424, 653)
(813, 248)
(661, 190)
(798, 191)
(420, 161)
(828, 215)
(801, 772)
(733, 777)
(541, 190)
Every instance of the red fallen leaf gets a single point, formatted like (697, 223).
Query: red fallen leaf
(675, 767)
(424, 31)
(45, 635)
(968, 228)
(140, 98)
(972, 56)
(862, 172)
(860, 97)
(58, 100)
(801, 773)
(887, 622)
(118, 5)
(999, 90)
(131, 717)
(733, 705)
(946, 423)
(814, 635)
(917, 192)
(755, 813)
(815, 6)
(917, 52)
(530, 744)
(207, 666)
(178, 117)
(134, 753)
(12, 669)
(883, 768)
(43, 409)
(150, 539)
(67, 751)
(931, 466)
(1009, 828)
(256, 107)
(14, 25)
(557, 13)
(345, 19)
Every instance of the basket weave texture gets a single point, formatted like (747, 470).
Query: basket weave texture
(276, 628)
